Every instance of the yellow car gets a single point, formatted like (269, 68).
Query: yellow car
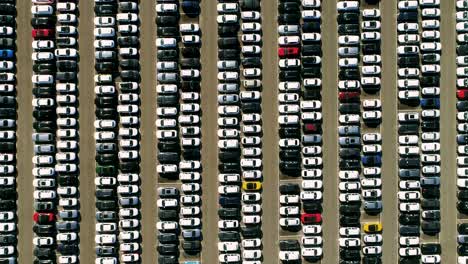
(251, 185)
(372, 227)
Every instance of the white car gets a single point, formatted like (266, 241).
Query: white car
(349, 231)
(409, 251)
(346, 6)
(228, 246)
(189, 28)
(349, 242)
(409, 241)
(348, 40)
(409, 195)
(371, 13)
(409, 207)
(166, 8)
(289, 255)
(408, 5)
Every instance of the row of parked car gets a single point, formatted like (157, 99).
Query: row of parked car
(354, 187)
(462, 120)
(418, 129)
(8, 207)
(300, 128)
(179, 130)
(117, 112)
(56, 132)
(240, 131)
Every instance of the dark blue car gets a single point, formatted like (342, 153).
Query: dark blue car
(6, 54)
(230, 201)
(374, 160)
(191, 8)
(430, 103)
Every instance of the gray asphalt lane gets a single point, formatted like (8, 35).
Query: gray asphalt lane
(389, 215)
(87, 143)
(447, 236)
(148, 150)
(209, 131)
(330, 132)
(270, 194)
(24, 144)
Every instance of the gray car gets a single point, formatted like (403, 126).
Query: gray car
(191, 234)
(66, 225)
(430, 181)
(165, 192)
(312, 139)
(228, 99)
(168, 77)
(349, 130)
(349, 141)
(373, 206)
(44, 149)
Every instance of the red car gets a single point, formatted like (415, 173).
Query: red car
(310, 128)
(311, 218)
(344, 96)
(288, 52)
(43, 218)
(42, 33)
(462, 94)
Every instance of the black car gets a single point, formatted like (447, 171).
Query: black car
(168, 31)
(251, 107)
(105, 113)
(128, 41)
(191, 246)
(8, 193)
(228, 42)
(229, 213)
(168, 238)
(105, 194)
(7, 147)
(105, 101)
(409, 230)
(224, 236)
(7, 20)
(349, 108)
(228, 54)
(9, 9)
(44, 126)
(226, 201)
(7, 43)
(408, 129)
(251, 62)
(290, 154)
(168, 157)
(105, 251)
(36, 22)
(289, 188)
(105, 67)
(8, 240)
(8, 101)
(43, 252)
(43, 229)
(430, 193)
(349, 220)
(289, 7)
(350, 254)
(130, 64)
(170, 146)
(229, 167)
(228, 31)
(408, 219)
(346, 164)
(289, 245)
(67, 180)
(289, 132)
(191, 52)
(462, 50)
(371, 48)
(350, 209)
(352, 153)
(407, 17)
(167, 21)
(251, 232)
(67, 249)
(349, 74)
(345, 18)
(106, 205)
(371, 259)
(289, 76)
(190, 63)
(44, 68)
(408, 61)
(128, 75)
(44, 206)
(312, 207)
(348, 29)
(66, 76)
(430, 204)
(311, 72)
(66, 65)
(409, 162)
(167, 55)
(291, 168)
(227, 156)
(462, 207)
(129, 167)
(104, 9)
(168, 215)
(311, 27)
(430, 58)
(167, 100)
(462, 250)
(289, 18)
(162, 259)
(430, 228)
(43, 91)
(430, 81)
(44, 115)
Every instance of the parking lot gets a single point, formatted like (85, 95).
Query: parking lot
(268, 229)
